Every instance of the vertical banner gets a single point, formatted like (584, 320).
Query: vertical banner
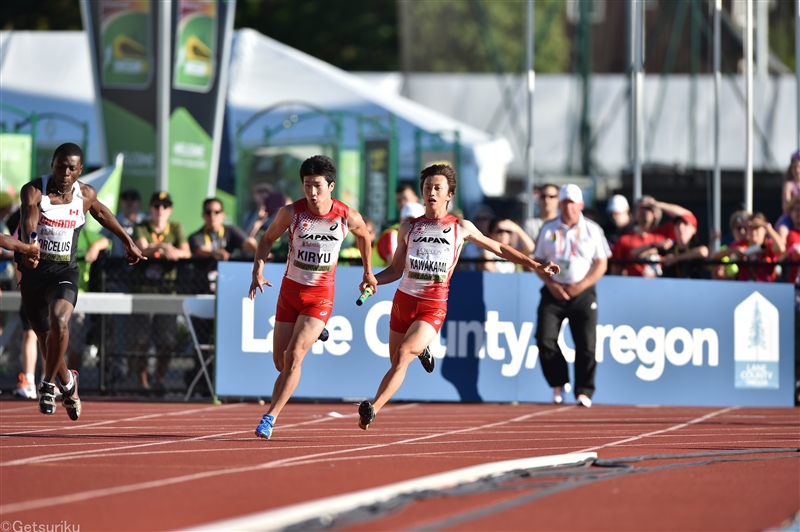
(15, 161)
(202, 31)
(122, 41)
(376, 181)
(126, 49)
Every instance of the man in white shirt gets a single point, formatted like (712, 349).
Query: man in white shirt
(579, 247)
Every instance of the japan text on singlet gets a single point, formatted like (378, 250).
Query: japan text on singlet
(59, 226)
(433, 250)
(314, 243)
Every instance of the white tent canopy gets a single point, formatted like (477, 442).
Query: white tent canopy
(51, 72)
(265, 73)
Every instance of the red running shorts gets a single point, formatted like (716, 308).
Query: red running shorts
(297, 299)
(407, 309)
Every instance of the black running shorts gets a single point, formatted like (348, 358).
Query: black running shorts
(38, 291)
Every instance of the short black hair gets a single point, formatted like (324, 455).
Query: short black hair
(319, 165)
(69, 149)
(209, 201)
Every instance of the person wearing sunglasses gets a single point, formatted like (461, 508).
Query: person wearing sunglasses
(164, 241)
(509, 233)
(548, 210)
(217, 239)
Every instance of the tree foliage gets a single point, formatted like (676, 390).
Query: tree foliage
(482, 36)
(350, 34)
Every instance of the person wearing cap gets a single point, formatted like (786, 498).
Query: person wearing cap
(581, 251)
(163, 240)
(620, 221)
(681, 255)
(647, 232)
(791, 189)
(509, 233)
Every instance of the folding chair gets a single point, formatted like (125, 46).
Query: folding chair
(203, 307)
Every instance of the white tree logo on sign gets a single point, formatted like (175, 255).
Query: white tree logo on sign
(756, 346)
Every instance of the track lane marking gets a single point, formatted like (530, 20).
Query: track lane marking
(657, 432)
(118, 490)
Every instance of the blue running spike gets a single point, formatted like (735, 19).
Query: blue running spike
(264, 429)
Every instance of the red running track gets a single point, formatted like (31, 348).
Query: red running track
(148, 466)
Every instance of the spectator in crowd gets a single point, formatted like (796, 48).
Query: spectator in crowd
(353, 253)
(158, 238)
(620, 221)
(738, 231)
(128, 215)
(681, 255)
(548, 210)
(646, 232)
(386, 245)
(268, 202)
(29, 346)
(581, 251)
(509, 233)
(761, 244)
(793, 244)
(404, 193)
(470, 253)
(217, 239)
(791, 189)
(793, 276)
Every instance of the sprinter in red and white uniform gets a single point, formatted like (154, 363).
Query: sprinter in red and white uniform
(317, 226)
(427, 252)
(54, 207)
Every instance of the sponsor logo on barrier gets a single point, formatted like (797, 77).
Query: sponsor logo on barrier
(756, 343)
(651, 346)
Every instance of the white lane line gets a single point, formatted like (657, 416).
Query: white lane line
(662, 431)
(121, 420)
(111, 451)
(117, 490)
(330, 506)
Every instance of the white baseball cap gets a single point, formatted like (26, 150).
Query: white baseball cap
(617, 203)
(570, 193)
(412, 210)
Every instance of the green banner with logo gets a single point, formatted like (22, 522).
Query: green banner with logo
(195, 46)
(189, 164)
(15, 161)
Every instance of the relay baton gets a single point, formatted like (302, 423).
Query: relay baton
(34, 237)
(363, 297)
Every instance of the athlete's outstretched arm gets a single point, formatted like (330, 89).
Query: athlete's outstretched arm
(12, 244)
(278, 226)
(364, 243)
(472, 234)
(102, 214)
(30, 197)
(395, 270)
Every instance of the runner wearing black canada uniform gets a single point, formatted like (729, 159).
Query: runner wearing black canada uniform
(53, 207)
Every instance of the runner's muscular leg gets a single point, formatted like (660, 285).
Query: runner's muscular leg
(57, 340)
(404, 348)
(306, 331)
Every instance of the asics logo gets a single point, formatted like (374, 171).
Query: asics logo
(323, 313)
(334, 226)
(447, 230)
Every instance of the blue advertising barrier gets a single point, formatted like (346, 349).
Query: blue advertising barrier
(659, 341)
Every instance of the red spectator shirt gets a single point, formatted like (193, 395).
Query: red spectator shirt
(631, 241)
(793, 252)
(762, 274)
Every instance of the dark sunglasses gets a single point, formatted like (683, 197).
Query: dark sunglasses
(209, 212)
(550, 196)
(160, 206)
(129, 198)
